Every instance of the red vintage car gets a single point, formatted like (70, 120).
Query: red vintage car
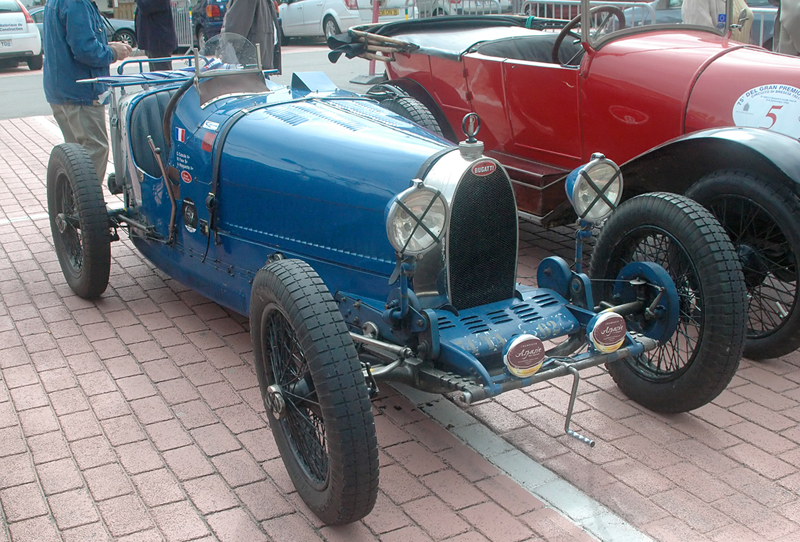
(684, 109)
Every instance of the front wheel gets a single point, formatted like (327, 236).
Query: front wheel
(762, 218)
(314, 392)
(78, 220)
(698, 361)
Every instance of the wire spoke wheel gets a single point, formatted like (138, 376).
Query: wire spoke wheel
(768, 263)
(78, 220)
(69, 232)
(303, 420)
(761, 218)
(652, 244)
(314, 392)
(698, 360)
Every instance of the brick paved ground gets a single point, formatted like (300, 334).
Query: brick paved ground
(138, 417)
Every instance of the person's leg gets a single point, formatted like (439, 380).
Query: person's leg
(165, 65)
(88, 126)
(63, 122)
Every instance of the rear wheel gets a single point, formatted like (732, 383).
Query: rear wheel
(761, 217)
(78, 220)
(699, 360)
(314, 392)
(413, 110)
(330, 27)
(35, 63)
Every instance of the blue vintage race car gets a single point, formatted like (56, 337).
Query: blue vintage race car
(366, 249)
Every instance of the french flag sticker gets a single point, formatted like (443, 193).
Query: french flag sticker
(180, 134)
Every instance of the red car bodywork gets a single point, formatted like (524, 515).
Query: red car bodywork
(631, 95)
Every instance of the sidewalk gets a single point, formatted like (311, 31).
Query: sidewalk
(138, 417)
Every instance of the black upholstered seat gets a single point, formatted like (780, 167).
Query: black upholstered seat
(538, 48)
(146, 119)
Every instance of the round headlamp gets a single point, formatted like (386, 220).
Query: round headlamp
(416, 220)
(595, 189)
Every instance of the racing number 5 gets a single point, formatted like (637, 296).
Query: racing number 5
(772, 116)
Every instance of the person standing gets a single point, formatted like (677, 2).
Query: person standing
(713, 13)
(256, 20)
(75, 48)
(155, 31)
(787, 28)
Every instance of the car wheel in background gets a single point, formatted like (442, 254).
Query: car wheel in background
(78, 220)
(314, 392)
(330, 27)
(761, 218)
(201, 38)
(125, 36)
(413, 110)
(702, 355)
(35, 62)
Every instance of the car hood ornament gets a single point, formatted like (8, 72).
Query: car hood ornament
(471, 149)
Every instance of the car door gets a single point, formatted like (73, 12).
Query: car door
(535, 106)
(291, 12)
(312, 16)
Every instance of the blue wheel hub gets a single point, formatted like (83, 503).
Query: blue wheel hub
(652, 284)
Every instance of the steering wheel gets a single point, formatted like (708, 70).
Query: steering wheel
(567, 30)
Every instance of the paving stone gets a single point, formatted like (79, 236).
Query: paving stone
(73, 508)
(107, 481)
(124, 515)
(235, 526)
(22, 502)
(158, 487)
(179, 521)
(211, 494)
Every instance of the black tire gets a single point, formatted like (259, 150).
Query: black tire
(701, 357)
(329, 27)
(761, 216)
(35, 63)
(413, 110)
(125, 36)
(201, 37)
(75, 202)
(326, 438)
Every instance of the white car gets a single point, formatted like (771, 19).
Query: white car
(20, 40)
(329, 17)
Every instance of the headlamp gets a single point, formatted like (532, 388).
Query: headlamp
(595, 189)
(416, 220)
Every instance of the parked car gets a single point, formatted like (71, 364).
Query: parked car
(681, 107)
(207, 16)
(365, 249)
(116, 29)
(304, 18)
(20, 41)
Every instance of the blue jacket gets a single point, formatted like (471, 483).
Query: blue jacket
(75, 47)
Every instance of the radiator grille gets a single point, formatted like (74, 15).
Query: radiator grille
(482, 248)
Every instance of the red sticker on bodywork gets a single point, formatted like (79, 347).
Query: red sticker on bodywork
(186, 176)
(484, 168)
(208, 141)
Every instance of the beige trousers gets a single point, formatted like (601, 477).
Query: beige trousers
(85, 125)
